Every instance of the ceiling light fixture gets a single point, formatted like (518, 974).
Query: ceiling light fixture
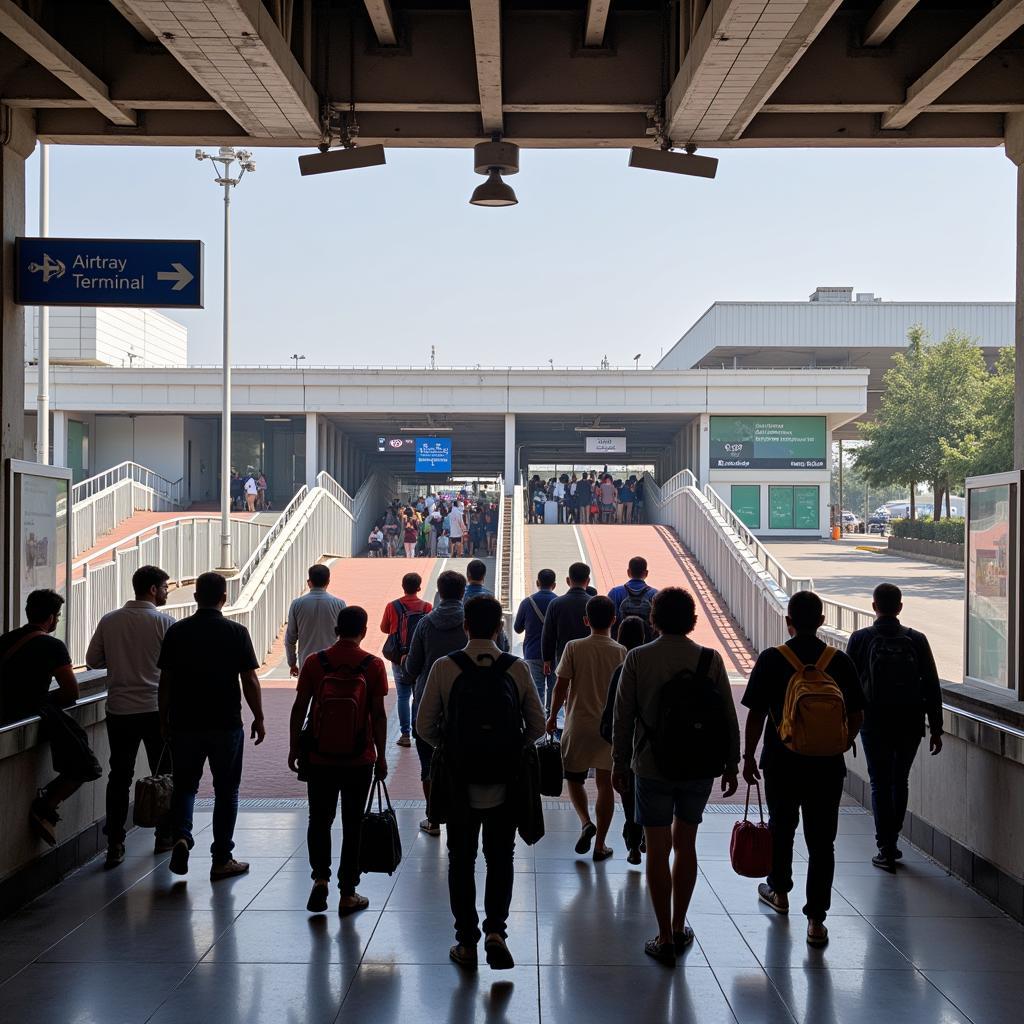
(494, 159)
(600, 430)
(425, 430)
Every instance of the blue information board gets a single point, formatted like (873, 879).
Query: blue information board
(108, 272)
(433, 454)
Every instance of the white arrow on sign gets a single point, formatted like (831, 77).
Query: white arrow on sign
(181, 275)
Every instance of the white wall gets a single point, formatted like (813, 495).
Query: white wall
(156, 442)
(106, 336)
(723, 479)
(203, 434)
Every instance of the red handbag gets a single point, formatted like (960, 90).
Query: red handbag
(750, 848)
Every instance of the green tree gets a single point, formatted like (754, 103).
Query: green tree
(989, 448)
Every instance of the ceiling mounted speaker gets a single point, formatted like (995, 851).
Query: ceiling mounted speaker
(341, 160)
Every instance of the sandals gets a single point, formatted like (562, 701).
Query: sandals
(683, 940)
(663, 952)
(602, 853)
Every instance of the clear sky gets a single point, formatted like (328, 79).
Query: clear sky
(372, 267)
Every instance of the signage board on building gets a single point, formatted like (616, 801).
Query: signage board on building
(161, 273)
(433, 454)
(606, 445)
(768, 442)
(396, 445)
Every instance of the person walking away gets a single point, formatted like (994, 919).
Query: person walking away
(261, 492)
(635, 596)
(584, 672)
(530, 620)
(608, 495)
(342, 689)
(540, 498)
(456, 529)
(901, 688)
(237, 491)
(638, 501)
(482, 705)
(807, 699)
(631, 635)
(674, 725)
(584, 496)
(207, 663)
(476, 574)
(30, 657)
(410, 532)
(566, 616)
(491, 528)
(312, 619)
(626, 502)
(436, 635)
(127, 644)
(391, 529)
(400, 620)
(558, 495)
(251, 490)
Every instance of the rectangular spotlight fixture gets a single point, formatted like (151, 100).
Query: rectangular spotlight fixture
(425, 430)
(599, 430)
(675, 163)
(341, 160)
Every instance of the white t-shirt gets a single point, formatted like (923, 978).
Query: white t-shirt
(558, 490)
(250, 486)
(456, 524)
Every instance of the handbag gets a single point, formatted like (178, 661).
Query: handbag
(69, 745)
(528, 807)
(153, 796)
(380, 846)
(549, 754)
(750, 848)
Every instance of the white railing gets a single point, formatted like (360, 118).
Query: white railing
(790, 584)
(236, 583)
(168, 489)
(183, 547)
(518, 581)
(368, 506)
(502, 587)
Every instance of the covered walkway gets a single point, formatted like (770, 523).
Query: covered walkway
(137, 944)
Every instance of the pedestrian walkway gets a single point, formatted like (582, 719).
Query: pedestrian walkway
(138, 944)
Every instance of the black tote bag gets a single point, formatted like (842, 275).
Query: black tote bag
(380, 846)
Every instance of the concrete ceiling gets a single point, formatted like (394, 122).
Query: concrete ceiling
(578, 73)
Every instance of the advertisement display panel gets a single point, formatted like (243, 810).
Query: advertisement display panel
(768, 442)
(606, 446)
(396, 445)
(745, 501)
(433, 454)
(780, 508)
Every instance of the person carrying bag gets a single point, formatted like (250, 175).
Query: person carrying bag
(153, 795)
(750, 848)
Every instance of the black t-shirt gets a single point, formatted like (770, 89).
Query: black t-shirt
(25, 676)
(766, 692)
(205, 654)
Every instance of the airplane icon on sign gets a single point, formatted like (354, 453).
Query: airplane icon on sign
(48, 268)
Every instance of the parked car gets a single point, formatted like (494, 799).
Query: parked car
(878, 521)
(852, 523)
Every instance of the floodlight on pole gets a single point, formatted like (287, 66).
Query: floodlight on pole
(296, 357)
(636, 360)
(223, 163)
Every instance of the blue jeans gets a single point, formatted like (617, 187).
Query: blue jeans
(403, 688)
(191, 750)
(545, 684)
(890, 755)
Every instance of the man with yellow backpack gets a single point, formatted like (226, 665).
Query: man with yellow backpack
(807, 699)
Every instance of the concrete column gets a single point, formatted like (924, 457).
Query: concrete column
(703, 468)
(323, 434)
(346, 465)
(311, 448)
(20, 140)
(59, 438)
(1015, 151)
(511, 470)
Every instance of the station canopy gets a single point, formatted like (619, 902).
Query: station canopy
(579, 73)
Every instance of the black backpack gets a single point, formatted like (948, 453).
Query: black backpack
(483, 735)
(893, 677)
(690, 737)
(396, 646)
(641, 606)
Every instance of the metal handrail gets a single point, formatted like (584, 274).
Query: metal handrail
(236, 583)
(501, 584)
(128, 470)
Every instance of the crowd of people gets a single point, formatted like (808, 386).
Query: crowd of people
(458, 525)
(646, 709)
(585, 498)
(249, 491)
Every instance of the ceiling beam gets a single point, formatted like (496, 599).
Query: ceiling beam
(383, 20)
(597, 21)
(886, 20)
(29, 36)
(803, 31)
(486, 16)
(1000, 23)
(236, 52)
(134, 20)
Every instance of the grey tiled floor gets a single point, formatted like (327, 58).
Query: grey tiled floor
(137, 944)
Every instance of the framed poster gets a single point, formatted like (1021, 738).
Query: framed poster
(37, 521)
(780, 508)
(768, 442)
(745, 501)
(806, 507)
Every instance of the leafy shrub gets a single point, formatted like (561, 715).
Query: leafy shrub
(948, 531)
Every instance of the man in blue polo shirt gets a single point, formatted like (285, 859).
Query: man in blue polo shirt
(639, 594)
(530, 620)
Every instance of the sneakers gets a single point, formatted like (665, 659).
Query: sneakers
(587, 834)
(426, 825)
(817, 934)
(885, 861)
(115, 855)
(778, 901)
(317, 902)
(43, 819)
(179, 858)
(464, 956)
(498, 956)
(228, 869)
(404, 740)
(633, 857)
(352, 904)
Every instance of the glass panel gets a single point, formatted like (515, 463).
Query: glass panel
(806, 500)
(989, 583)
(780, 508)
(41, 557)
(745, 500)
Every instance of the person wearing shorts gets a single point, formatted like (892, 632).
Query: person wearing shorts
(670, 812)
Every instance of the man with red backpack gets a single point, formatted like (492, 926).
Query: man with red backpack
(807, 698)
(339, 751)
(399, 623)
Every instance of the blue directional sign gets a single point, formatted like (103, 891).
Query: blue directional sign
(433, 454)
(108, 272)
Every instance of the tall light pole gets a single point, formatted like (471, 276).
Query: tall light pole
(43, 362)
(223, 162)
(296, 357)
